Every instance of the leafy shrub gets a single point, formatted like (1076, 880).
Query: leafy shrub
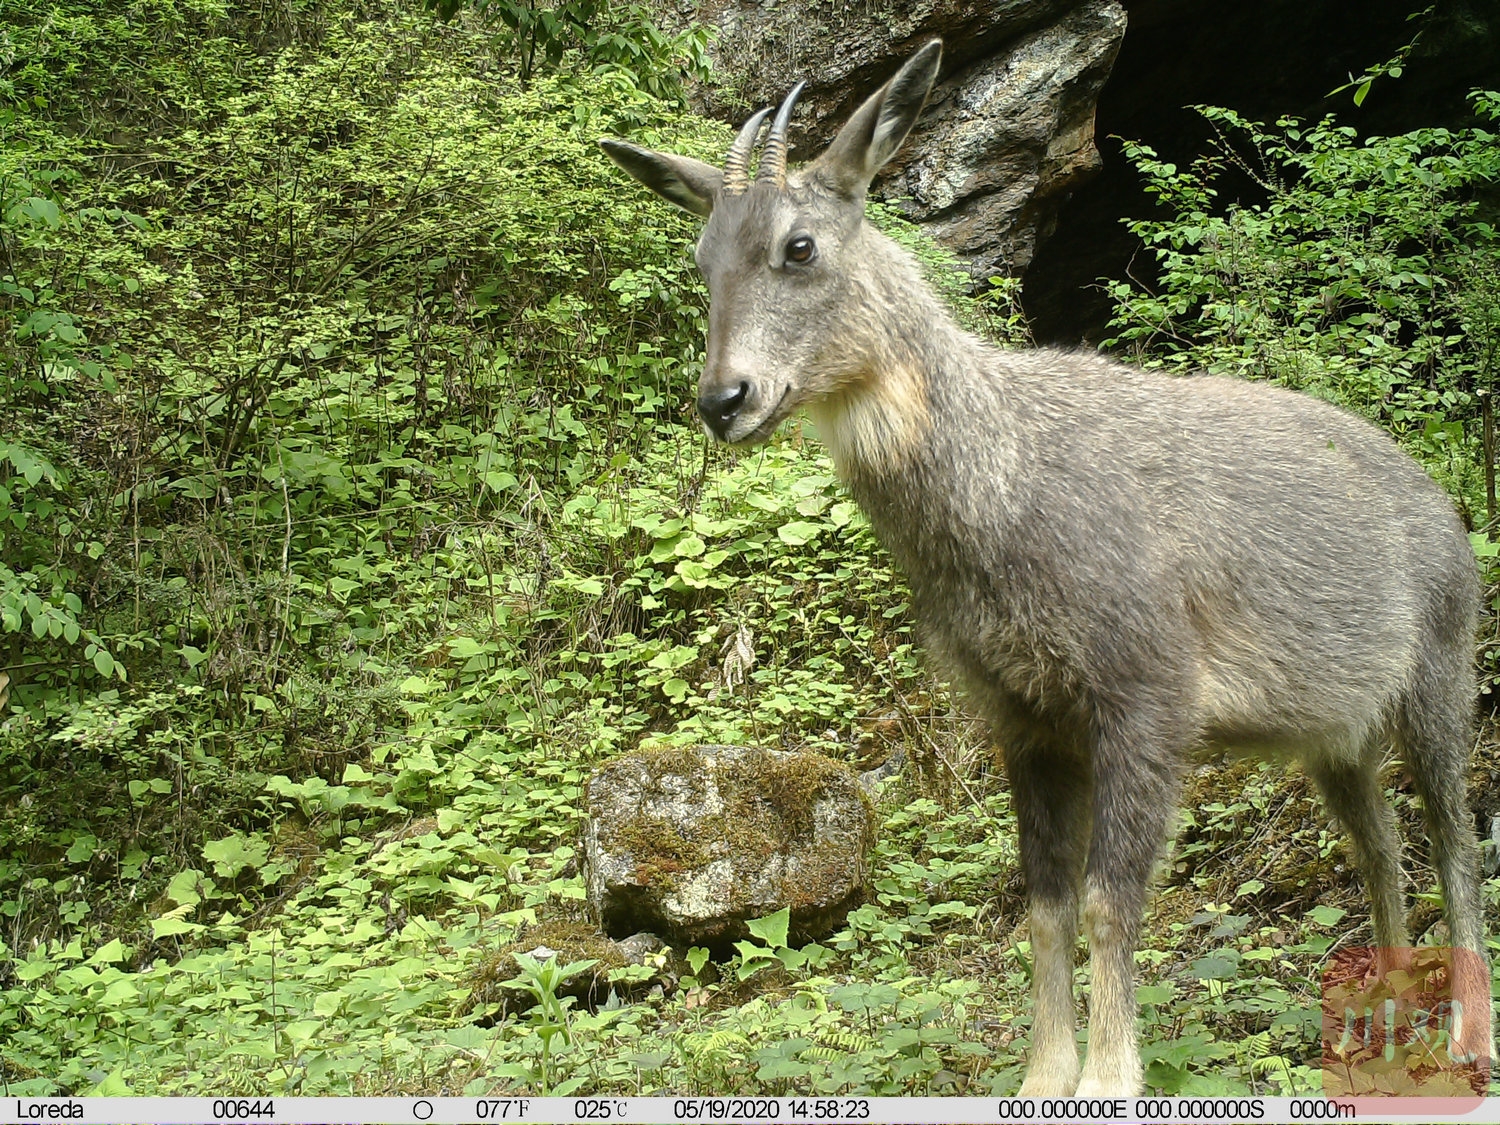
(278, 391)
(607, 35)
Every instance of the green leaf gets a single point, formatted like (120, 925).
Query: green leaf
(465, 647)
(83, 849)
(843, 513)
(119, 992)
(864, 997)
(109, 954)
(115, 1085)
(693, 573)
(797, 533)
(171, 926)
(776, 1069)
(771, 929)
(183, 889)
(1326, 915)
(301, 1032)
(28, 971)
(235, 852)
(753, 958)
(42, 210)
(1218, 966)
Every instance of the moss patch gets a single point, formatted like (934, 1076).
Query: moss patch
(659, 850)
(572, 941)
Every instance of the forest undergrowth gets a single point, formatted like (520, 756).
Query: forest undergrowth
(351, 513)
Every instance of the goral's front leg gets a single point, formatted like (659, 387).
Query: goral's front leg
(1053, 1069)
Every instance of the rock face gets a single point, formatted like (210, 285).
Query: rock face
(1009, 131)
(689, 844)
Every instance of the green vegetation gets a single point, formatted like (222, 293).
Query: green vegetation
(349, 516)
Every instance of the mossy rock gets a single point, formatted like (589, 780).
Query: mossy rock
(690, 843)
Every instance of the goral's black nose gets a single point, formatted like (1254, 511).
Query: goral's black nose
(718, 406)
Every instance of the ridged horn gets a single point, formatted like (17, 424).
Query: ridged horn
(737, 163)
(773, 156)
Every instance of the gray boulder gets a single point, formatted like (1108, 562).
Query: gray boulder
(691, 843)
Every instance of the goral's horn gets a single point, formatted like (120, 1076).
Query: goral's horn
(773, 157)
(737, 163)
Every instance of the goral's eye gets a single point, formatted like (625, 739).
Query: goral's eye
(800, 249)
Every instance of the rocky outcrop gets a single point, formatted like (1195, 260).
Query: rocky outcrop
(690, 844)
(1009, 131)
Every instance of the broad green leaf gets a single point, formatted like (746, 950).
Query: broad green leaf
(108, 954)
(1218, 966)
(183, 889)
(1326, 915)
(28, 971)
(119, 992)
(235, 852)
(42, 210)
(172, 927)
(797, 533)
(772, 929)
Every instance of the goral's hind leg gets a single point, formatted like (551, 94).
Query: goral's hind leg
(1350, 785)
(1051, 796)
(1433, 732)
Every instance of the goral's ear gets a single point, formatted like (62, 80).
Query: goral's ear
(689, 183)
(872, 136)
